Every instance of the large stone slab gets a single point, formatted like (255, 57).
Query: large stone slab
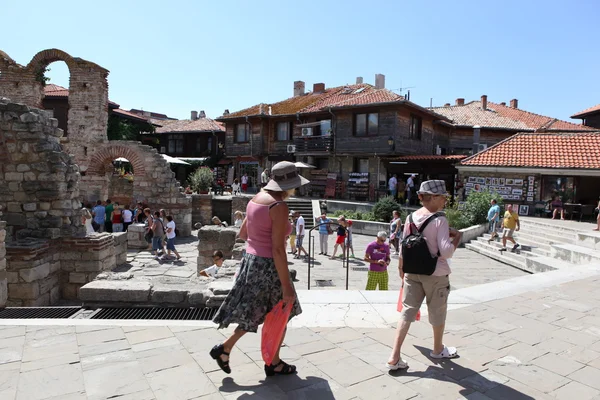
(116, 291)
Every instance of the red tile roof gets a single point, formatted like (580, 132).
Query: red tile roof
(542, 150)
(341, 96)
(591, 110)
(130, 115)
(503, 117)
(188, 125)
(52, 90)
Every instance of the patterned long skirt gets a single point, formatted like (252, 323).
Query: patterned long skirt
(255, 292)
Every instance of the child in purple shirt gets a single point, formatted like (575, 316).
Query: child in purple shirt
(378, 255)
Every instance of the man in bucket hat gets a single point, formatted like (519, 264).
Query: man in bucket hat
(441, 241)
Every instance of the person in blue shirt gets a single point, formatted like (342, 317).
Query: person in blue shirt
(493, 217)
(324, 232)
(99, 213)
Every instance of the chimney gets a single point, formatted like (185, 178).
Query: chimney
(447, 105)
(202, 114)
(460, 102)
(484, 102)
(318, 88)
(194, 115)
(298, 88)
(514, 103)
(503, 103)
(379, 81)
(261, 109)
(226, 112)
(359, 80)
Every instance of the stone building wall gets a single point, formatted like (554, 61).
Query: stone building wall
(202, 210)
(212, 238)
(3, 280)
(120, 190)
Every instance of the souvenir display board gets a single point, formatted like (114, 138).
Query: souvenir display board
(358, 185)
(508, 188)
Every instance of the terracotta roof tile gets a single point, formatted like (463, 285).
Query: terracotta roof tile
(504, 117)
(52, 90)
(587, 111)
(341, 96)
(542, 150)
(188, 125)
(130, 115)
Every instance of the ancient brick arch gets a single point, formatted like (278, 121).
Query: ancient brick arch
(88, 97)
(153, 181)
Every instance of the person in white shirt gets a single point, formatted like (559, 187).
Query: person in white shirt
(245, 183)
(300, 235)
(214, 269)
(392, 185)
(238, 219)
(127, 218)
(171, 237)
(264, 178)
(410, 188)
(235, 187)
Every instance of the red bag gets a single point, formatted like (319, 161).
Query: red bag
(272, 330)
(400, 305)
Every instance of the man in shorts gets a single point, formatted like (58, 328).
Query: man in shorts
(377, 255)
(300, 235)
(493, 217)
(510, 224)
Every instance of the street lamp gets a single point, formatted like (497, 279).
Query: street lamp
(391, 143)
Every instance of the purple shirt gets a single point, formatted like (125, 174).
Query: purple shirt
(377, 252)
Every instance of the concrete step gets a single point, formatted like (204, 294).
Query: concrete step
(543, 238)
(545, 264)
(526, 247)
(554, 225)
(305, 208)
(512, 259)
(590, 240)
(558, 236)
(575, 254)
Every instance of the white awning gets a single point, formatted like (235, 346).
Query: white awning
(174, 160)
(121, 159)
(192, 158)
(300, 164)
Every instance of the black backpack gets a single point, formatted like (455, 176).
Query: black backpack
(416, 257)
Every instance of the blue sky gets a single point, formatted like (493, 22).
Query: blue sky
(178, 56)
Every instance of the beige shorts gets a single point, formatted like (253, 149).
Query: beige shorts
(419, 287)
(508, 232)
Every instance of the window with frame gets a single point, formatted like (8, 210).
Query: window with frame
(198, 145)
(366, 124)
(242, 134)
(416, 126)
(283, 131)
(176, 144)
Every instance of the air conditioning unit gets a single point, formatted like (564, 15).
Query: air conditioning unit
(291, 148)
(307, 131)
(481, 147)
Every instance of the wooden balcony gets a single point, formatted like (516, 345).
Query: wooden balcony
(314, 144)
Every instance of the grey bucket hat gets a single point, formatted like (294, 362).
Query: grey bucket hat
(435, 187)
(284, 176)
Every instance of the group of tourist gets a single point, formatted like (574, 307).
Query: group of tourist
(403, 191)
(107, 217)
(264, 278)
(160, 234)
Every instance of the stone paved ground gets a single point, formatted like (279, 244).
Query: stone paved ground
(543, 344)
(469, 268)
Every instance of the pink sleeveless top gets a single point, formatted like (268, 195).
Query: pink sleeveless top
(259, 225)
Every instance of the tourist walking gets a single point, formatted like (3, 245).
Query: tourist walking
(395, 232)
(300, 231)
(158, 234)
(148, 221)
(377, 255)
(86, 220)
(493, 217)
(393, 186)
(510, 224)
(428, 242)
(170, 232)
(324, 232)
(99, 213)
(341, 238)
(597, 210)
(108, 220)
(264, 178)
(127, 217)
(139, 215)
(401, 188)
(292, 237)
(264, 278)
(245, 183)
(410, 187)
(117, 219)
(349, 245)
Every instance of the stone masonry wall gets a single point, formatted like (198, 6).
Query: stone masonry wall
(3, 280)
(212, 238)
(39, 182)
(202, 210)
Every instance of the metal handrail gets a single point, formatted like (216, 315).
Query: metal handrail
(311, 240)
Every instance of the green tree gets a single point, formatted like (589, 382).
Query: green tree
(120, 129)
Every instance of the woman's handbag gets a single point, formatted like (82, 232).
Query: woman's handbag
(273, 329)
(148, 236)
(329, 230)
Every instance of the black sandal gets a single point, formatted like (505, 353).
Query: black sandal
(216, 353)
(286, 369)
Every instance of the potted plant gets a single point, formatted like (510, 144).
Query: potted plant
(201, 180)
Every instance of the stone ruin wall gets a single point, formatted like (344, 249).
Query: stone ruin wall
(47, 254)
(3, 280)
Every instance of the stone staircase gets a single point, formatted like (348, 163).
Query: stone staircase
(305, 207)
(546, 245)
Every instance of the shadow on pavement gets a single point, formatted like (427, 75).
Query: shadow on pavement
(446, 369)
(312, 387)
